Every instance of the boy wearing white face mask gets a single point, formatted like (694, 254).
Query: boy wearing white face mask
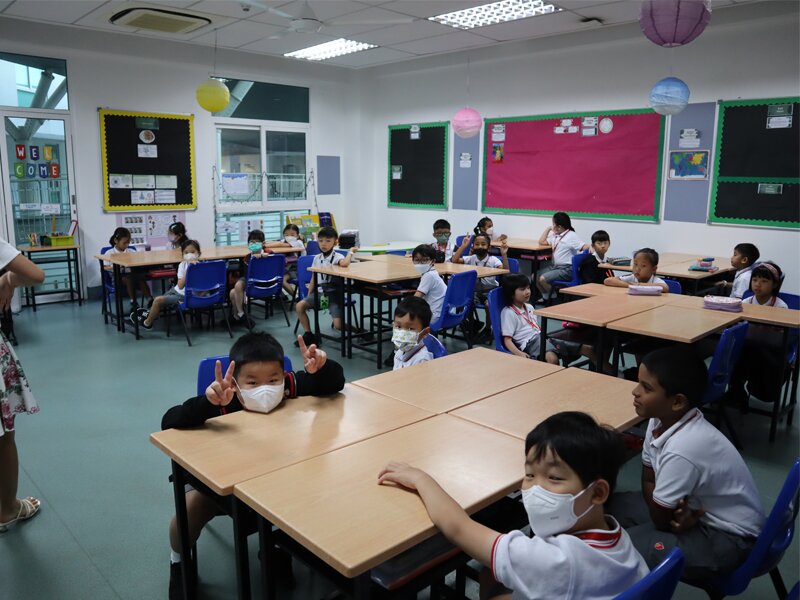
(254, 380)
(146, 317)
(431, 286)
(291, 239)
(577, 552)
(412, 319)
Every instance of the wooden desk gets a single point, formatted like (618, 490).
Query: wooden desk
(680, 270)
(517, 411)
(523, 244)
(48, 255)
(380, 249)
(676, 323)
(444, 269)
(333, 506)
(234, 448)
(589, 290)
(447, 383)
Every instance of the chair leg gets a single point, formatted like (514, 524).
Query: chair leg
(248, 320)
(185, 327)
(777, 581)
(283, 308)
(726, 420)
(225, 315)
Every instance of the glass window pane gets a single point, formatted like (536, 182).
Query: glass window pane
(33, 82)
(266, 101)
(239, 165)
(286, 165)
(232, 229)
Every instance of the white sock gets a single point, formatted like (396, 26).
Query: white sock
(239, 315)
(174, 557)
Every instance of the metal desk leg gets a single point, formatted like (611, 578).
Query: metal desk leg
(379, 348)
(266, 543)
(345, 336)
(69, 273)
(317, 292)
(178, 485)
(78, 276)
(238, 511)
(543, 344)
(118, 296)
(778, 403)
(598, 366)
(362, 586)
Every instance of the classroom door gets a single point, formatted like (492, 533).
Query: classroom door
(37, 176)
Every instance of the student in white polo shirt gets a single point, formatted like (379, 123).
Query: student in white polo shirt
(565, 244)
(577, 552)
(697, 493)
(745, 256)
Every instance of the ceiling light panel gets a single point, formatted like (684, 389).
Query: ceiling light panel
(496, 12)
(332, 49)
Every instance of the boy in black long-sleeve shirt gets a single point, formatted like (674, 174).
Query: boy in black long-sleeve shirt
(256, 379)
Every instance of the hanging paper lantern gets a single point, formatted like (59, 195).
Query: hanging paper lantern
(213, 95)
(467, 123)
(669, 96)
(671, 23)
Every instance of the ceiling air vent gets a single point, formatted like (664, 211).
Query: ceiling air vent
(154, 19)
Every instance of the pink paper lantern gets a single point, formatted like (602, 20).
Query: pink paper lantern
(467, 123)
(670, 23)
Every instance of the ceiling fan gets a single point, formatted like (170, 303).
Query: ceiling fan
(305, 20)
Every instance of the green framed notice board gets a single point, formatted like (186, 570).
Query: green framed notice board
(148, 161)
(417, 176)
(757, 172)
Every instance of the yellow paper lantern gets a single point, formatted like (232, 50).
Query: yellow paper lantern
(213, 95)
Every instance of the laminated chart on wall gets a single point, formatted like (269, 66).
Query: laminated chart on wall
(757, 174)
(599, 164)
(417, 175)
(147, 160)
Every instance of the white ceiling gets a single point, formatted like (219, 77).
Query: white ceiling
(373, 21)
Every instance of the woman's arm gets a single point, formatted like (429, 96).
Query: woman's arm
(21, 272)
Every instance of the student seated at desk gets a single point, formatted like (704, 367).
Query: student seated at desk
(444, 246)
(176, 236)
(255, 243)
(481, 244)
(291, 239)
(565, 243)
(330, 287)
(256, 377)
(571, 466)
(519, 326)
(412, 319)
(697, 493)
(431, 286)
(590, 270)
(485, 225)
(645, 265)
(744, 259)
(120, 243)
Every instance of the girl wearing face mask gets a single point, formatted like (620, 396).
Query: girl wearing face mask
(145, 317)
(255, 244)
(431, 286)
(176, 236)
(571, 466)
(485, 225)
(291, 239)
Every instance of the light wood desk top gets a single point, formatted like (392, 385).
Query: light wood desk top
(523, 244)
(449, 268)
(599, 311)
(517, 411)
(676, 323)
(446, 383)
(371, 271)
(766, 315)
(147, 258)
(677, 269)
(589, 290)
(242, 445)
(26, 248)
(333, 505)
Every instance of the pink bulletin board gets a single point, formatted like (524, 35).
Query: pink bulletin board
(598, 164)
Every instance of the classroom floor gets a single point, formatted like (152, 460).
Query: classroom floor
(106, 501)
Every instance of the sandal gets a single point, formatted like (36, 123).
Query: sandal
(28, 507)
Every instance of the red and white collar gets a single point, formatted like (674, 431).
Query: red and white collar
(602, 539)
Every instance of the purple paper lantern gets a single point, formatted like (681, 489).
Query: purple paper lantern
(467, 123)
(670, 23)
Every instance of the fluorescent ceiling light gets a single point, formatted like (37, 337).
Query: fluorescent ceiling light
(330, 49)
(496, 12)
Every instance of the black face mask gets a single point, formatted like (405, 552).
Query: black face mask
(480, 253)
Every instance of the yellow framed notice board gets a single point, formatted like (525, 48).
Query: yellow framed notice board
(148, 161)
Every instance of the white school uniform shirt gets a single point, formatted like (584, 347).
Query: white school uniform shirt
(565, 246)
(520, 325)
(487, 261)
(741, 282)
(7, 253)
(449, 250)
(418, 354)
(320, 260)
(692, 458)
(433, 286)
(596, 564)
(297, 243)
(774, 301)
(631, 278)
(181, 274)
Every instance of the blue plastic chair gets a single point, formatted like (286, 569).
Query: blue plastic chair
(792, 300)
(577, 261)
(769, 548)
(397, 252)
(205, 370)
(674, 286)
(303, 280)
(312, 247)
(513, 265)
(460, 239)
(109, 293)
(457, 304)
(265, 281)
(660, 583)
(496, 303)
(434, 346)
(795, 593)
(205, 289)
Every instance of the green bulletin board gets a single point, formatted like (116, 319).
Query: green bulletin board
(417, 174)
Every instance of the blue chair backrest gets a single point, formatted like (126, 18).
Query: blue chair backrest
(577, 261)
(303, 276)
(205, 370)
(312, 248)
(497, 303)
(398, 252)
(513, 265)
(105, 276)
(660, 583)
(771, 545)
(726, 357)
(205, 283)
(460, 239)
(265, 275)
(792, 300)
(342, 251)
(434, 346)
(457, 300)
(674, 286)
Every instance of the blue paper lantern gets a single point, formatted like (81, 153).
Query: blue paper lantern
(669, 96)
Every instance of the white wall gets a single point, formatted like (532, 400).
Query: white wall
(139, 74)
(747, 51)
